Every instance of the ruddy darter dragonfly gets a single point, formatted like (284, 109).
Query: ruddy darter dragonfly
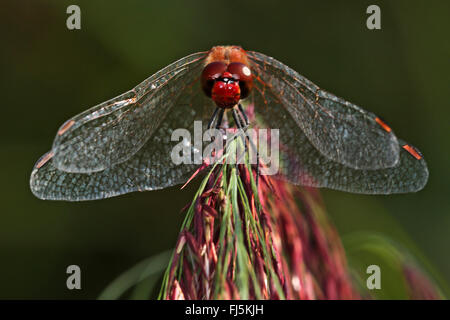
(124, 144)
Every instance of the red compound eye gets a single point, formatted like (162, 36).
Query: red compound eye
(212, 72)
(243, 74)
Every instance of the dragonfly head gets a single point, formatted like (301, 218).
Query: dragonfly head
(226, 84)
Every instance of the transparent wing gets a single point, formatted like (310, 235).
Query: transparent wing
(113, 131)
(150, 168)
(339, 130)
(301, 163)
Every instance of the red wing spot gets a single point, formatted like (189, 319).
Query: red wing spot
(65, 127)
(383, 125)
(412, 151)
(44, 159)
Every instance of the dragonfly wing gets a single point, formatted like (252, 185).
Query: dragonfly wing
(339, 130)
(302, 164)
(113, 131)
(150, 168)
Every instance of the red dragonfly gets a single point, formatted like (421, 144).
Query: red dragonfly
(123, 145)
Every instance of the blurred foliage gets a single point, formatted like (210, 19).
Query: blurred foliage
(403, 274)
(50, 74)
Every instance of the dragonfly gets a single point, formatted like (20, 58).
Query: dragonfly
(123, 145)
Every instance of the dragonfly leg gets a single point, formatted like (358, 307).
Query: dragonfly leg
(245, 120)
(237, 120)
(243, 114)
(238, 123)
(213, 117)
(219, 118)
(242, 124)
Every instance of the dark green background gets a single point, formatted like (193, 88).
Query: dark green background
(49, 74)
